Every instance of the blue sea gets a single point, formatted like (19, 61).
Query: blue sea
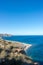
(36, 50)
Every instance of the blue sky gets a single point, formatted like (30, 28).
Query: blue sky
(21, 17)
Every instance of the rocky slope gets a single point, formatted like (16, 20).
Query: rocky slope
(11, 53)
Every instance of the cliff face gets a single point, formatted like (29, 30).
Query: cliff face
(10, 54)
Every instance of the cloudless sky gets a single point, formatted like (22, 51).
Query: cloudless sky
(21, 17)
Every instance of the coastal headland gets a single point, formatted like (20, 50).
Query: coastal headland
(13, 53)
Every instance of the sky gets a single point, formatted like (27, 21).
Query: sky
(21, 17)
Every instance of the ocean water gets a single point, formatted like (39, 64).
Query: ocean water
(36, 50)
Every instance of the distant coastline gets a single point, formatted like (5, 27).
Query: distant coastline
(1, 35)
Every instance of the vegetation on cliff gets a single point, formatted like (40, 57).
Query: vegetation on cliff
(12, 53)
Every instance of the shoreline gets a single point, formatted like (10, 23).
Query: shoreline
(26, 45)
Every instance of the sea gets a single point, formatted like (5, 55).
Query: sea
(36, 50)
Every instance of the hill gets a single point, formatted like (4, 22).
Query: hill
(12, 53)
